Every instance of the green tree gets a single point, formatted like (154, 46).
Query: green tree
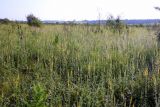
(157, 8)
(33, 21)
(115, 24)
(5, 21)
(111, 22)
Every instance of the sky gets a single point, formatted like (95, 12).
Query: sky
(79, 9)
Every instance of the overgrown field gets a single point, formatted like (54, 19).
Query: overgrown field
(78, 66)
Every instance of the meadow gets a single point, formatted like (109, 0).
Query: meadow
(78, 66)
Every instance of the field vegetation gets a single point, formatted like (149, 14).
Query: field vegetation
(79, 66)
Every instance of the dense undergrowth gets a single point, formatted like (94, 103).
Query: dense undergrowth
(78, 66)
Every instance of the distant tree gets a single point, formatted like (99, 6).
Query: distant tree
(119, 23)
(5, 21)
(110, 21)
(157, 8)
(115, 24)
(33, 21)
(158, 31)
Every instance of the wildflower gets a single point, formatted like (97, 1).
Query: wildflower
(110, 84)
(145, 73)
(154, 79)
(17, 80)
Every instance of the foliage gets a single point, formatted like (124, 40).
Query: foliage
(5, 21)
(38, 96)
(72, 66)
(33, 21)
(115, 24)
(111, 21)
(157, 8)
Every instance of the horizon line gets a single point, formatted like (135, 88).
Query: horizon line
(85, 19)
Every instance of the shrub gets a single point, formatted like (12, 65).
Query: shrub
(111, 22)
(33, 21)
(115, 24)
(5, 21)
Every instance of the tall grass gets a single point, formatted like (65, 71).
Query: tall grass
(76, 66)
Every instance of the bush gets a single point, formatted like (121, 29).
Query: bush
(5, 21)
(33, 21)
(111, 22)
(115, 24)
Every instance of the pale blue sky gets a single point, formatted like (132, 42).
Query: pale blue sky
(79, 9)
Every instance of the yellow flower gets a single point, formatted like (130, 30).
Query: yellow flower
(110, 84)
(145, 73)
(154, 79)
(17, 80)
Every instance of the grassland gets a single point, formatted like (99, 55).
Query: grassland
(78, 66)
